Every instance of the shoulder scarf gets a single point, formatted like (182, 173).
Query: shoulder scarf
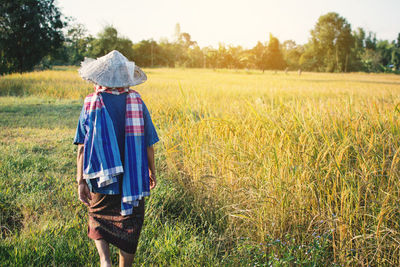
(101, 153)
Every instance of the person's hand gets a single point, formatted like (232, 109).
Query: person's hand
(153, 181)
(84, 193)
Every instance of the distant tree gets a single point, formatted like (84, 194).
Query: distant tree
(148, 53)
(177, 32)
(186, 51)
(398, 40)
(210, 57)
(357, 51)
(195, 57)
(376, 55)
(291, 53)
(182, 42)
(385, 49)
(167, 53)
(247, 59)
(274, 59)
(370, 41)
(223, 57)
(187, 40)
(396, 59)
(29, 30)
(371, 60)
(260, 56)
(396, 54)
(109, 40)
(76, 42)
(359, 39)
(310, 60)
(331, 42)
(372, 55)
(75, 47)
(238, 57)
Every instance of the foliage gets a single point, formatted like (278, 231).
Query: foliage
(274, 58)
(260, 56)
(29, 30)
(109, 40)
(371, 60)
(331, 43)
(292, 53)
(147, 53)
(77, 42)
(333, 46)
(357, 51)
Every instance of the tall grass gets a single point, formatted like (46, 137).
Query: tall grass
(283, 160)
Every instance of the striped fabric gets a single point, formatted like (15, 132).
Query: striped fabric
(102, 160)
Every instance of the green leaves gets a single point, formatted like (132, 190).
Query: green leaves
(30, 30)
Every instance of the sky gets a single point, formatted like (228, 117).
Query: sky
(231, 22)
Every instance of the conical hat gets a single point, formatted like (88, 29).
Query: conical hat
(112, 70)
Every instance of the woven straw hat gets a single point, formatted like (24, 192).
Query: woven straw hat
(112, 70)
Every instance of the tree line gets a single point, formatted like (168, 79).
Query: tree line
(33, 33)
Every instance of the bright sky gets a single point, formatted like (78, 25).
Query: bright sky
(230, 21)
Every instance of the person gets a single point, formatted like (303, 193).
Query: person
(115, 159)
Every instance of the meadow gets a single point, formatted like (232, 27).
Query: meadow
(254, 169)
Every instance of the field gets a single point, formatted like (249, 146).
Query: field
(254, 169)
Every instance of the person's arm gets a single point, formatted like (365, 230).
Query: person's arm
(152, 169)
(151, 138)
(79, 164)
(83, 188)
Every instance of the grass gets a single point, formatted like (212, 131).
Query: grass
(254, 169)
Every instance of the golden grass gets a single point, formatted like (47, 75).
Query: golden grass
(316, 154)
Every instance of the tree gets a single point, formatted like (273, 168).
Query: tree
(109, 40)
(238, 57)
(210, 57)
(309, 60)
(147, 53)
(195, 57)
(274, 59)
(167, 53)
(332, 41)
(371, 59)
(370, 41)
(185, 49)
(76, 42)
(396, 54)
(260, 56)
(177, 32)
(385, 49)
(29, 30)
(292, 53)
(223, 57)
(187, 40)
(184, 46)
(357, 51)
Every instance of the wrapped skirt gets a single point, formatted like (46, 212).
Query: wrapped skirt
(106, 222)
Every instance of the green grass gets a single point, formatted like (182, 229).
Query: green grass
(254, 169)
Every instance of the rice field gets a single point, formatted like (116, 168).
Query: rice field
(254, 169)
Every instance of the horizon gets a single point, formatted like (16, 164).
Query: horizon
(256, 20)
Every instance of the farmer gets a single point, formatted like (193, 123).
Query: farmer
(115, 161)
